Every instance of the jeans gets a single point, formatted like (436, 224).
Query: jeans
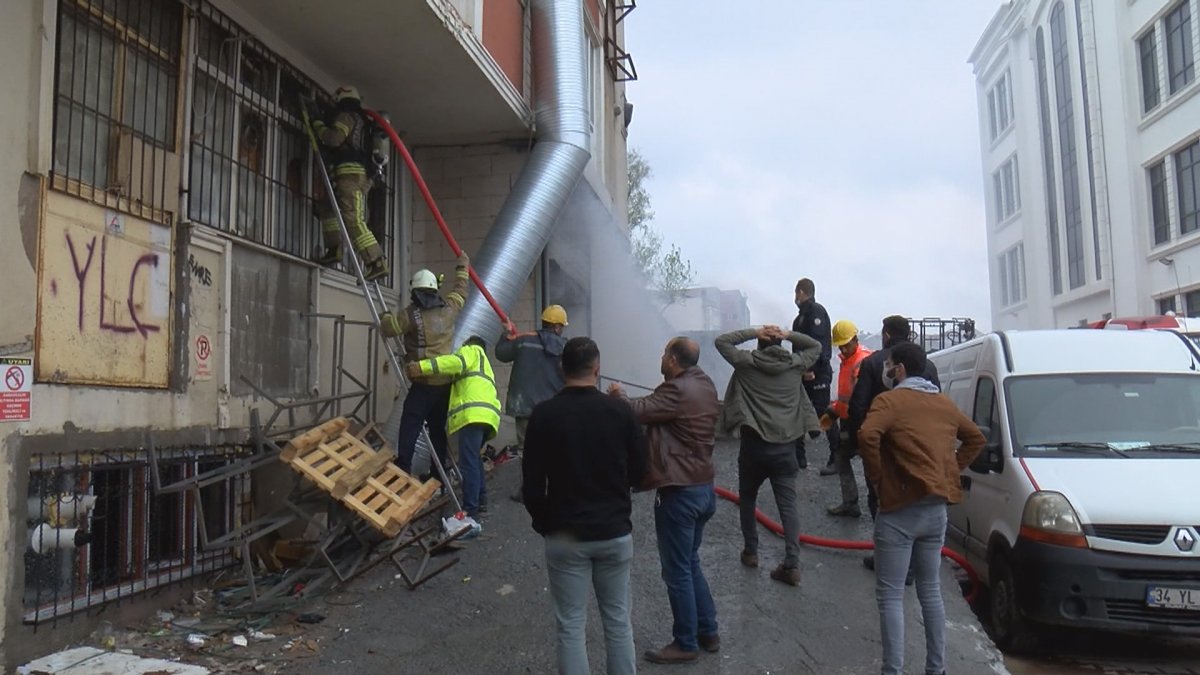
(470, 465)
(758, 461)
(680, 514)
(819, 396)
(914, 532)
(425, 404)
(604, 565)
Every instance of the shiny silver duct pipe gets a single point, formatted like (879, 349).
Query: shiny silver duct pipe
(564, 139)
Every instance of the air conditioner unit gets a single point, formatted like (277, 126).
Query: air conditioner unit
(145, 174)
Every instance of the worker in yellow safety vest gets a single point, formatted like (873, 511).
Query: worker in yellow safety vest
(347, 144)
(474, 414)
(851, 353)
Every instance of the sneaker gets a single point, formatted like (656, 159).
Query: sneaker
(376, 270)
(749, 559)
(848, 510)
(788, 575)
(331, 256)
(829, 470)
(455, 523)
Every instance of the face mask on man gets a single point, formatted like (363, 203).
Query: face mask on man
(889, 377)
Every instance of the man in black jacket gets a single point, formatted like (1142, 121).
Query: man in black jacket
(584, 452)
(871, 383)
(812, 320)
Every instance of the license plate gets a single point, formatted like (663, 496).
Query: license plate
(1173, 598)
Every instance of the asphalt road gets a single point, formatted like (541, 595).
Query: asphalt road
(491, 613)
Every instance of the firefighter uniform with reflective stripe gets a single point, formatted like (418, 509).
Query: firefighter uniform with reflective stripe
(427, 325)
(347, 150)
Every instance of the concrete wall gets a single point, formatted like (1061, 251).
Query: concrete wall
(470, 185)
(22, 50)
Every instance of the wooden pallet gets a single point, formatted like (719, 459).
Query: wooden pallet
(360, 477)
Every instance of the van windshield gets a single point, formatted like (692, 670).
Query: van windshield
(1114, 415)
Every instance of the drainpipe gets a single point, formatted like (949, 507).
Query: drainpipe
(564, 138)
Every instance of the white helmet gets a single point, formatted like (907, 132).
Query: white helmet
(346, 91)
(423, 279)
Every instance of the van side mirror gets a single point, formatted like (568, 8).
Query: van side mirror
(991, 458)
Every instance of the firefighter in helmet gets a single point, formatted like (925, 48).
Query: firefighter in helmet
(349, 147)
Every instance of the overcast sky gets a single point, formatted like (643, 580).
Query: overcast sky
(836, 140)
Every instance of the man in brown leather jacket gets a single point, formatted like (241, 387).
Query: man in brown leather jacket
(681, 423)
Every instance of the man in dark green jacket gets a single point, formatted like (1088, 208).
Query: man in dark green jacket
(766, 404)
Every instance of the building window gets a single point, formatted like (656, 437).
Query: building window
(1191, 303)
(138, 538)
(1012, 276)
(1180, 59)
(1072, 206)
(1006, 190)
(1000, 106)
(1159, 215)
(115, 108)
(1187, 180)
(1167, 305)
(1148, 57)
(252, 172)
(1048, 165)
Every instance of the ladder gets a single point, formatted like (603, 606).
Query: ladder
(376, 304)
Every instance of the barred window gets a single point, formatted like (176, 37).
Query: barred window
(116, 97)
(251, 173)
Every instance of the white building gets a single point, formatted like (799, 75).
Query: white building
(1090, 134)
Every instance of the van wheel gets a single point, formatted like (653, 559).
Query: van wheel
(1010, 630)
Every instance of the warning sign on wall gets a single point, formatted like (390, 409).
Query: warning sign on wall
(16, 390)
(203, 352)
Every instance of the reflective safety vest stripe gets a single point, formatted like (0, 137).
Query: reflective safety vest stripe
(473, 396)
(847, 378)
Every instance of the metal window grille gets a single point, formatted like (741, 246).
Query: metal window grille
(252, 172)
(116, 97)
(98, 532)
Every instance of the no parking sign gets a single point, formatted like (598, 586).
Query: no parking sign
(16, 389)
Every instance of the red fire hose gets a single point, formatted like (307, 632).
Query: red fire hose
(822, 542)
(437, 215)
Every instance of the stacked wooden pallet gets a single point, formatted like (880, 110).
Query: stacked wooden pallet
(362, 478)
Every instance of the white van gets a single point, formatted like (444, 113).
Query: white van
(1084, 507)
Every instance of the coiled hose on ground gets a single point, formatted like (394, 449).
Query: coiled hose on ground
(845, 544)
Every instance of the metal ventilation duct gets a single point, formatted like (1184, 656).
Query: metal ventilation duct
(562, 151)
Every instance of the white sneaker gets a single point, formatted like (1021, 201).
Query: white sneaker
(454, 524)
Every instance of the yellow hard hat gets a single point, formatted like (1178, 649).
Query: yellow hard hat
(555, 314)
(843, 332)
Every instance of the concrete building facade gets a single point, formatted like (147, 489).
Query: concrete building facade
(1090, 137)
(158, 196)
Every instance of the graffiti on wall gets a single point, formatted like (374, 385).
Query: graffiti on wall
(104, 296)
(104, 301)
